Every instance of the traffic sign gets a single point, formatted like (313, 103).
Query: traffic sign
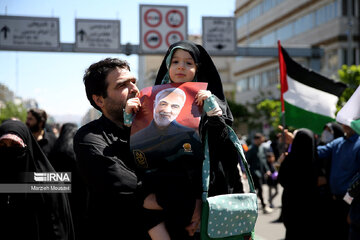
(219, 36)
(173, 37)
(97, 35)
(161, 26)
(174, 18)
(29, 33)
(153, 17)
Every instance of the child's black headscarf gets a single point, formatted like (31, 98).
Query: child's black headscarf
(206, 72)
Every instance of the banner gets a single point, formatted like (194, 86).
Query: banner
(166, 127)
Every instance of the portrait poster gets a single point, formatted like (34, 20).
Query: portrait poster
(166, 127)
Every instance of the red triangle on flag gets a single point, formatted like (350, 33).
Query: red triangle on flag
(283, 77)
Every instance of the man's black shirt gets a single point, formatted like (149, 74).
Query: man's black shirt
(107, 168)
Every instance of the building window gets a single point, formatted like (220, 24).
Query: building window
(285, 32)
(258, 81)
(242, 85)
(345, 57)
(256, 12)
(273, 77)
(333, 60)
(269, 39)
(264, 80)
(302, 24)
(254, 82)
(353, 7)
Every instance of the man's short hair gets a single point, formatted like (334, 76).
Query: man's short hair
(40, 115)
(258, 136)
(95, 77)
(163, 93)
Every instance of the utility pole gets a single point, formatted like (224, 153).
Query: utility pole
(349, 33)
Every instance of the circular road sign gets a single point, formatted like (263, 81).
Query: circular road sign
(174, 18)
(153, 17)
(152, 39)
(173, 37)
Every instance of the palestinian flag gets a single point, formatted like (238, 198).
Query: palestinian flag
(349, 114)
(308, 99)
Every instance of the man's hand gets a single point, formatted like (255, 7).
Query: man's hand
(289, 136)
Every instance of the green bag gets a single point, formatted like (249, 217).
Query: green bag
(228, 216)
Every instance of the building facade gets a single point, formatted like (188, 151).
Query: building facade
(332, 25)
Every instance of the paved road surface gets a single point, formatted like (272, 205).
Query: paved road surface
(264, 228)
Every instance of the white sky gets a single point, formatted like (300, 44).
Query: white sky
(55, 79)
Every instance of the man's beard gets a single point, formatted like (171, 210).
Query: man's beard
(35, 128)
(116, 113)
(115, 110)
(161, 120)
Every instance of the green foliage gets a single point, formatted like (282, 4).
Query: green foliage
(238, 110)
(261, 110)
(271, 110)
(240, 113)
(349, 75)
(12, 110)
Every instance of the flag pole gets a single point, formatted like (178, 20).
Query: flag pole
(282, 88)
(283, 132)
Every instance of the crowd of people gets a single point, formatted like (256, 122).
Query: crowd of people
(319, 175)
(113, 197)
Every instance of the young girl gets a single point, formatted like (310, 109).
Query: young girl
(188, 62)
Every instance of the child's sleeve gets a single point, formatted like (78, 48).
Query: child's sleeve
(128, 118)
(211, 107)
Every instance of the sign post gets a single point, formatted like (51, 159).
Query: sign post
(161, 26)
(29, 33)
(97, 35)
(219, 35)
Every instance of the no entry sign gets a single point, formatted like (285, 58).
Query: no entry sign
(161, 26)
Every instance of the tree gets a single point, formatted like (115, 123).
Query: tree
(349, 75)
(264, 109)
(240, 113)
(12, 110)
(271, 110)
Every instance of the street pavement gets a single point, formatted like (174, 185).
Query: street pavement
(265, 228)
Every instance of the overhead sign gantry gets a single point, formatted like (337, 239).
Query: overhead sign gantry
(160, 26)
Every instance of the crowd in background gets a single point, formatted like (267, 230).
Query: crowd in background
(315, 172)
(319, 175)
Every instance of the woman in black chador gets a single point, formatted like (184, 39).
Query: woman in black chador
(298, 177)
(39, 215)
(63, 159)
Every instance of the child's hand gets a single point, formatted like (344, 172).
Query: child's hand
(195, 220)
(201, 96)
(132, 105)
